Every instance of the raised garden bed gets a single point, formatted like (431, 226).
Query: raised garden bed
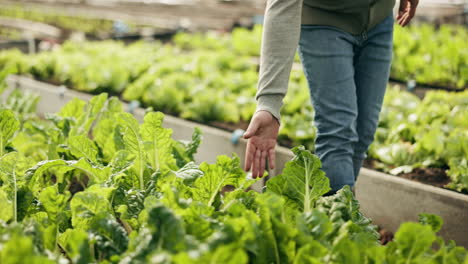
(22, 45)
(35, 28)
(387, 199)
(41, 24)
(417, 89)
(163, 36)
(199, 16)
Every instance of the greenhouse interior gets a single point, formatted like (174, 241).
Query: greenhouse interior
(233, 131)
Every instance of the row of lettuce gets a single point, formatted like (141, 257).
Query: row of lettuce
(212, 87)
(90, 184)
(10, 34)
(92, 27)
(423, 53)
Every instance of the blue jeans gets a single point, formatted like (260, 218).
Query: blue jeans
(347, 76)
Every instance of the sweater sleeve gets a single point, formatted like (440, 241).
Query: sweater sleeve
(279, 44)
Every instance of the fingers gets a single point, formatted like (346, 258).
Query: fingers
(249, 156)
(256, 163)
(402, 8)
(402, 20)
(271, 158)
(405, 20)
(407, 13)
(252, 129)
(262, 163)
(412, 11)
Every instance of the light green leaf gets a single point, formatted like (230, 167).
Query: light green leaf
(53, 202)
(192, 146)
(229, 254)
(103, 191)
(134, 144)
(104, 129)
(39, 180)
(158, 141)
(432, 141)
(86, 206)
(12, 169)
(95, 173)
(103, 135)
(314, 225)
(184, 151)
(189, 173)
(91, 112)
(302, 180)
(82, 147)
(226, 171)
(113, 107)
(346, 251)
(8, 126)
(311, 253)
(109, 236)
(163, 231)
(413, 240)
(76, 245)
(47, 229)
(121, 162)
(275, 241)
(74, 108)
(6, 206)
(20, 249)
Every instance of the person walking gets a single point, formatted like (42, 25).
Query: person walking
(345, 48)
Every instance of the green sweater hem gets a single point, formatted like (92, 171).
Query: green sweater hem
(353, 18)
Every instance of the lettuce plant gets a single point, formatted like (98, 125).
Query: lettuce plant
(118, 191)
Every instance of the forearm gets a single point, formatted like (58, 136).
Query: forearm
(279, 44)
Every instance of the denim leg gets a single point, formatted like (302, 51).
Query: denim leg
(327, 55)
(372, 69)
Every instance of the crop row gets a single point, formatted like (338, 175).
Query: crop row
(212, 87)
(430, 56)
(10, 34)
(90, 26)
(89, 184)
(432, 132)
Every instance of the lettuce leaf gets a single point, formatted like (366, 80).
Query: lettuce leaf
(226, 171)
(9, 125)
(302, 181)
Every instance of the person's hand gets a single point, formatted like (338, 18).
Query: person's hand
(406, 11)
(261, 134)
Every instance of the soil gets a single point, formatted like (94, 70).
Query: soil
(385, 236)
(432, 176)
(432, 86)
(77, 185)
